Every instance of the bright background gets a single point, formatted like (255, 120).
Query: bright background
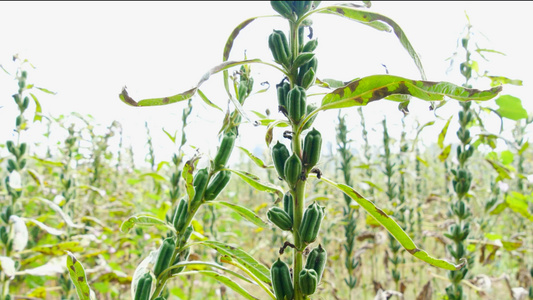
(87, 51)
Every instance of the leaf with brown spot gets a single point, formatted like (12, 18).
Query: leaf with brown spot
(426, 293)
(270, 130)
(376, 87)
(187, 174)
(58, 249)
(187, 94)
(395, 230)
(376, 21)
(77, 276)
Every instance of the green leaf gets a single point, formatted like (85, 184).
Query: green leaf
(394, 229)
(143, 220)
(425, 163)
(187, 174)
(503, 171)
(480, 50)
(511, 108)
(58, 249)
(229, 45)
(207, 101)
(187, 94)
(254, 158)
(77, 275)
(224, 280)
(518, 203)
(244, 212)
(443, 132)
(48, 163)
(201, 265)
(266, 122)
(259, 270)
(60, 212)
(445, 153)
(506, 157)
(256, 183)
(171, 137)
(523, 148)
(155, 176)
(331, 83)
(4, 69)
(498, 208)
(38, 110)
(418, 133)
(45, 90)
(229, 260)
(376, 87)
(500, 80)
(376, 21)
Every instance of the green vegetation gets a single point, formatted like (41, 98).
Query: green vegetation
(84, 222)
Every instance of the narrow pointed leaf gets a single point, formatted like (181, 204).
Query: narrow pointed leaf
(45, 90)
(445, 153)
(418, 133)
(207, 101)
(256, 183)
(171, 137)
(143, 220)
(244, 212)
(225, 281)
(155, 176)
(376, 87)
(187, 174)
(378, 22)
(45, 227)
(499, 80)
(187, 94)
(38, 109)
(200, 265)
(61, 213)
(77, 275)
(394, 229)
(254, 158)
(229, 46)
(58, 249)
(259, 270)
(229, 260)
(443, 132)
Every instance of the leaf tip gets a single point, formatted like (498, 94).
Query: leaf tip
(126, 98)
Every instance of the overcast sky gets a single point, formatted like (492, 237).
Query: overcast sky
(87, 51)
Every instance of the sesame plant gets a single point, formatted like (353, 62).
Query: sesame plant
(15, 237)
(349, 212)
(295, 155)
(462, 206)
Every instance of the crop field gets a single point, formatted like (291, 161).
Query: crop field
(337, 201)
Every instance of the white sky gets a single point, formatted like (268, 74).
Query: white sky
(87, 51)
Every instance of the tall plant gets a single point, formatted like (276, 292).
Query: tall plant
(297, 63)
(350, 218)
(14, 234)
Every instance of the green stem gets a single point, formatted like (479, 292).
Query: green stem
(165, 275)
(298, 194)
